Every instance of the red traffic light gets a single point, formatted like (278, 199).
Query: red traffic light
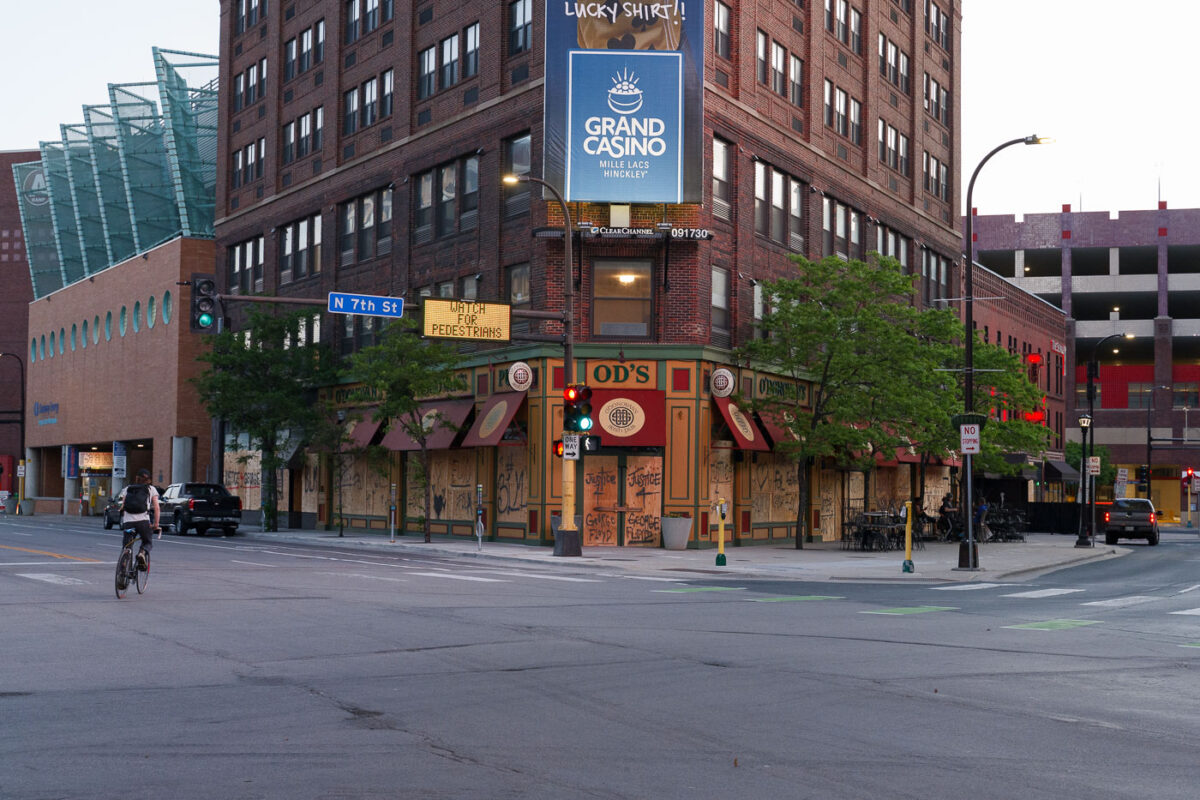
(558, 448)
(571, 393)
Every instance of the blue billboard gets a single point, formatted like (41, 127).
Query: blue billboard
(624, 113)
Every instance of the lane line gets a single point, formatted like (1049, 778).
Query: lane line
(969, 587)
(46, 553)
(55, 563)
(910, 610)
(1191, 612)
(539, 576)
(48, 577)
(253, 563)
(449, 576)
(1189, 589)
(1121, 602)
(1043, 593)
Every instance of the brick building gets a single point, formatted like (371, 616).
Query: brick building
(1130, 272)
(123, 215)
(361, 149)
(15, 294)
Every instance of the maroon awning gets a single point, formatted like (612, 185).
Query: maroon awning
(776, 428)
(492, 420)
(364, 432)
(441, 431)
(630, 417)
(747, 434)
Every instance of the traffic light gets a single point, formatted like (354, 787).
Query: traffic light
(204, 302)
(1143, 474)
(577, 408)
(558, 447)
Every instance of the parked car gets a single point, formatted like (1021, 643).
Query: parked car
(1130, 518)
(184, 506)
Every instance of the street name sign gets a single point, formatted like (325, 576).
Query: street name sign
(465, 319)
(368, 305)
(969, 439)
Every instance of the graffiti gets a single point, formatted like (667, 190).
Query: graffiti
(642, 528)
(511, 497)
(600, 480)
(642, 481)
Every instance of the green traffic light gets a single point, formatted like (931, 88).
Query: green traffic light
(205, 320)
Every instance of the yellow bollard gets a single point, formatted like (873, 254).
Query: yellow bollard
(721, 507)
(908, 520)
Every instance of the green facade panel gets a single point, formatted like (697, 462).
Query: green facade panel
(62, 211)
(37, 221)
(86, 198)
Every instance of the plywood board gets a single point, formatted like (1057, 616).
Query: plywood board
(643, 494)
(598, 483)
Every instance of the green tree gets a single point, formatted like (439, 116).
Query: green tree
(405, 369)
(1073, 453)
(260, 382)
(860, 355)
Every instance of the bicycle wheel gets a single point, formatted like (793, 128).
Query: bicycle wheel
(123, 573)
(143, 575)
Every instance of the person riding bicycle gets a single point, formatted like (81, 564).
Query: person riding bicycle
(139, 513)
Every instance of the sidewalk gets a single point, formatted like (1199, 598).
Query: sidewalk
(823, 561)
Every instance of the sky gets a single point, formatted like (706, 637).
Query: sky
(1110, 84)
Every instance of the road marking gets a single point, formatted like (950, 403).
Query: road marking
(47, 553)
(794, 598)
(61, 580)
(647, 578)
(540, 576)
(253, 563)
(1194, 612)
(1043, 593)
(362, 575)
(457, 577)
(694, 589)
(969, 587)
(45, 563)
(1120, 602)
(1054, 624)
(910, 610)
(1189, 589)
(1191, 644)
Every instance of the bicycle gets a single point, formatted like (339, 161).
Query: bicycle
(128, 570)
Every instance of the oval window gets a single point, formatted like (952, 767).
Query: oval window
(62, 340)
(43, 347)
(74, 336)
(108, 326)
(124, 320)
(83, 339)
(96, 329)
(167, 308)
(33, 351)
(137, 316)
(52, 344)
(150, 309)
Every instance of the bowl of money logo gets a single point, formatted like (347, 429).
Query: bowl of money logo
(625, 97)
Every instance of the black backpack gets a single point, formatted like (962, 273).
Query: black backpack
(137, 499)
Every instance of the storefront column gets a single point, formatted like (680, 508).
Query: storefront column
(183, 449)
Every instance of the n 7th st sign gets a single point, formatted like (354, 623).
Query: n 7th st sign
(366, 304)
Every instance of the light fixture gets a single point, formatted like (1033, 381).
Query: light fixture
(626, 278)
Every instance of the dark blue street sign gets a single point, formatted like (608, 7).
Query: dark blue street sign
(366, 304)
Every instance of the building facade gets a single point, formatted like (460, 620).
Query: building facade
(1130, 272)
(361, 147)
(117, 215)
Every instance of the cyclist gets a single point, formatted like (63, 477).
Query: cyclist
(139, 513)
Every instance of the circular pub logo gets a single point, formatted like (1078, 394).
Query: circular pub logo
(743, 424)
(721, 382)
(621, 417)
(520, 376)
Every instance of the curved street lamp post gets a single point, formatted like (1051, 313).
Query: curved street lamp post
(1087, 531)
(568, 541)
(971, 559)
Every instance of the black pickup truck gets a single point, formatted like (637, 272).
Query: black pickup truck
(184, 506)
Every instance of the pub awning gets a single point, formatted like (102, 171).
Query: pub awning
(745, 432)
(630, 417)
(492, 420)
(364, 432)
(776, 427)
(441, 418)
(1061, 471)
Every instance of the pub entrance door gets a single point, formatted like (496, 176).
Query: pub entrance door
(622, 499)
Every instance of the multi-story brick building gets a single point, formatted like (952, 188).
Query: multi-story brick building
(15, 294)
(122, 217)
(361, 149)
(1132, 272)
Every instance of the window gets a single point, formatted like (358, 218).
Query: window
(289, 60)
(239, 92)
(370, 102)
(720, 301)
(762, 57)
(306, 50)
(371, 16)
(365, 227)
(778, 206)
(840, 120)
(893, 148)
(904, 81)
(721, 44)
(779, 75)
(289, 142)
(447, 179)
(828, 102)
(427, 61)
(936, 178)
(722, 200)
(471, 50)
(318, 127)
(842, 228)
(356, 333)
(236, 170)
(855, 121)
(423, 213)
(518, 293)
(935, 276)
(842, 29)
(1185, 395)
(937, 24)
(796, 82)
(449, 71)
(244, 266)
(856, 31)
(447, 199)
(350, 111)
(890, 243)
(1140, 394)
(520, 26)
(303, 135)
(319, 44)
(387, 93)
(353, 21)
(621, 303)
(516, 162)
(468, 215)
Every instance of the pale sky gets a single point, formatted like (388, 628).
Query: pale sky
(1111, 81)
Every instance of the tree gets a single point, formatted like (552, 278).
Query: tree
(406, 369)
(849, 332)
(262, 382)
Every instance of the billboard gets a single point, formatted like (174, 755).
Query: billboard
(624, 107)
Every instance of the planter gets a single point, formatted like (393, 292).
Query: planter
(675, 532)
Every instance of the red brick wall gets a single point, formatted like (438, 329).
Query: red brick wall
(16, 292)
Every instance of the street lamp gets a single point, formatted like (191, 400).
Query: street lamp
(21, 423)
(568, 541)
(1089, 440)
(1085, 424)
(969, 325)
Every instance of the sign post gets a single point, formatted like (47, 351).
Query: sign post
(970, 431)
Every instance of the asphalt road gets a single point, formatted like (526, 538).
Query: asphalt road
(254, 670)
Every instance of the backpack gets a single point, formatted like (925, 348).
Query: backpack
(137, 499)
